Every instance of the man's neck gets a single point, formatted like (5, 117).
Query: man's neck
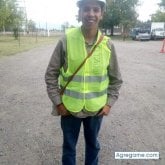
(89, 34)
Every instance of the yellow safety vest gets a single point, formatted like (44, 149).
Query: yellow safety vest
(88, 89)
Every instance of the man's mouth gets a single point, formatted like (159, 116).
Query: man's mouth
(90, 20)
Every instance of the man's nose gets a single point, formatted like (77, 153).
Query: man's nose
(91, 12)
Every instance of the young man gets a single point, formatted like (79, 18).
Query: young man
(94, 88)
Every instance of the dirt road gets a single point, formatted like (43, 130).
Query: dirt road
(29, 135)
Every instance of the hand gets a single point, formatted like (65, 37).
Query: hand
(105, 111)
(62, 110)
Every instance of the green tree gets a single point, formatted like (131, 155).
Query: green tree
(159, 16)
(143, 25)
(111, 16)
(4, 14)
(11, 16)
(120, 12)
(128, 15)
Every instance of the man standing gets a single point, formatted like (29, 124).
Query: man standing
(92, 90)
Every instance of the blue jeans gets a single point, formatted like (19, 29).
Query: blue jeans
(71, 127)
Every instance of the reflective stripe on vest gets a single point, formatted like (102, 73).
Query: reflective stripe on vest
(78, 78)
(90, 95)
(88, 89)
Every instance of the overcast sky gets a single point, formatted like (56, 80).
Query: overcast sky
(60, 11)
(147, 8)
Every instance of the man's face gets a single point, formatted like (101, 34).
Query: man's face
(90, 14)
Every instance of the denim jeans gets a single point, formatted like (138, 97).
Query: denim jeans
(71, 127)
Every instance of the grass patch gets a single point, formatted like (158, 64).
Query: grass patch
(10, 46)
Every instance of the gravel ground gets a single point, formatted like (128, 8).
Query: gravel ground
(29, 135)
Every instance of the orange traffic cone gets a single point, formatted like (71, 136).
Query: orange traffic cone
(162, 50)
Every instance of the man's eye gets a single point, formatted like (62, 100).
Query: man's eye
(96, 9)
(86, 9)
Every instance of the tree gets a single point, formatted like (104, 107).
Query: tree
(4, 14)
(128, 15)
(120, 12)
(11, 16)
(159, 16)
(143, 25)
(111, 17)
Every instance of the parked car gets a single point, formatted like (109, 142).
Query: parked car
(140, 34)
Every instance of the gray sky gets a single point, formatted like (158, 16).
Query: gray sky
(147, 8)
(60, 11)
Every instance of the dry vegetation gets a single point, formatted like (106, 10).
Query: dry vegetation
(10, 46)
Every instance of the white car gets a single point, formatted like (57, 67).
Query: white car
(143, 36)
(140, 34)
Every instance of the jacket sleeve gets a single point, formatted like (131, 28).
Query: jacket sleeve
(53, 72)
(114, 77)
